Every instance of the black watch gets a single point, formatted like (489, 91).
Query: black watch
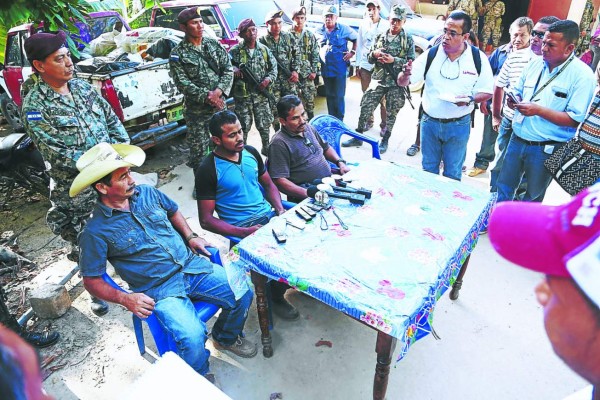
(471, 100)
(191, 236)
(339, 160)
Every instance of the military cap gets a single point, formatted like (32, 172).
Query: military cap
(188, 14)
(330, 10)
(245, 24)
(40, 45)
(398, 12)
(299, 11)
(271, 15)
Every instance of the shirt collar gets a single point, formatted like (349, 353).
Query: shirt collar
(558, 67)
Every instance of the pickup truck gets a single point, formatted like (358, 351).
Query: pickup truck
(144, 97)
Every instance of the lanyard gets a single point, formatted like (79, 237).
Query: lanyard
(537, 91)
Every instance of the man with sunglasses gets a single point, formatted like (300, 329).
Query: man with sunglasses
(552, 96)
(297, 153)
(452, 86)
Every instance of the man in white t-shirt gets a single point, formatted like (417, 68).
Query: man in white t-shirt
(452, 86)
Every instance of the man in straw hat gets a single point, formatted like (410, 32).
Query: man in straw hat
(563, 242)
(66, 117)
(148, 241)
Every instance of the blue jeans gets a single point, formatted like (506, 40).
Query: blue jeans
(523, 160)
(445, 142)
(487, 152)
(178, 316)
(504, 133)
(335, 88)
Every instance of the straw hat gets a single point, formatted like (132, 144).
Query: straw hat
(103, 159)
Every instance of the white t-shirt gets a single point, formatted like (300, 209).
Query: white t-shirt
(367, 32)
(511, 72)
(459, 77)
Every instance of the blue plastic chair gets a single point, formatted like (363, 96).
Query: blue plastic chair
(331, 130)
(162, 340)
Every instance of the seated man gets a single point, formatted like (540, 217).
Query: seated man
(229, 181)
(148, 241)
(297, 153)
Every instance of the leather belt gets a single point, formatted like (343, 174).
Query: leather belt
(445, 120)
(531, 143)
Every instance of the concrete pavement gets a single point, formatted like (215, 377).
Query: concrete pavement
(493, 345)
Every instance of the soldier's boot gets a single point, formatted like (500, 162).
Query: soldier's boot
(383, 146)
(264, 138)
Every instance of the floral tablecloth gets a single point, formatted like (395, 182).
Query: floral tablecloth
(403, 249)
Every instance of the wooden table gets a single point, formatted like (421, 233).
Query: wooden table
(404, 248)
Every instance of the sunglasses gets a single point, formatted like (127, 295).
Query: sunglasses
(538, 34)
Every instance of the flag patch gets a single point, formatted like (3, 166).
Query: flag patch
(34, 116)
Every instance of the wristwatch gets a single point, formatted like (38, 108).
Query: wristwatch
(471, 100)
(191, 236)
(339, 160)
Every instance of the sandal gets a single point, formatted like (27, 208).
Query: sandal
(413, 150)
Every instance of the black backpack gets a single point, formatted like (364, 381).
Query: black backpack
(433, 52)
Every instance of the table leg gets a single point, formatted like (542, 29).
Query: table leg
(459, 280)
(260, 282)
(385, 349)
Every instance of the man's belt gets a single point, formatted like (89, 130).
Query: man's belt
(445, 120)
(532, 143)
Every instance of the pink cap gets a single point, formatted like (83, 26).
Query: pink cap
(555, 240)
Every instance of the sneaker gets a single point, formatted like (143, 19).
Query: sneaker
(98, 306)
(383, 146)
(475, 171)
(284, 310)
(352, 143)
(242, 347)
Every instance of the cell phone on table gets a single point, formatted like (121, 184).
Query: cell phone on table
(280, 236)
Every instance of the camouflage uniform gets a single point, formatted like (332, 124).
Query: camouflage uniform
(196, 71)
(286, 50)
(492, 23)
(471, 7)
(63, 128)
(248, 100)
(585, 26)
(308, 52)
(402, 48)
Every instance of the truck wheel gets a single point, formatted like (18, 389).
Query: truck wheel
(11, 112)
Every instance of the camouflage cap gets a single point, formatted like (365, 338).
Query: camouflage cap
(245, 24)
(299, 11)
(330, 10)
(188, 14)
(271, 15)
(398, 12)
(40, 45)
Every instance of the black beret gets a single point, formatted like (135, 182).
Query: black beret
(272, 15)
(40, 45)
(188, 14)
(245, 24)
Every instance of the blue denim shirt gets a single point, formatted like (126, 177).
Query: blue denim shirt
(142, 245)
(337, 44)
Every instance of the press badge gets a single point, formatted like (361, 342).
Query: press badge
(549, 149)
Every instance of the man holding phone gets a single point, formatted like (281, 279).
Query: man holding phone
(553, 94)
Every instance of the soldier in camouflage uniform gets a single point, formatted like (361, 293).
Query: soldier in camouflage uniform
(472, 7)
(65, 117)
(202, 71)
(492, 24)
(283, 46)
(390, 49)
(251, 100)
(308, 51)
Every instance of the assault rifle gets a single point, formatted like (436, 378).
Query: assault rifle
(285, 71)
(389, 68)
(251, 76)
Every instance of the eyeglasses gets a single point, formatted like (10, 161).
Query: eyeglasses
(310, 145)
(447, 68)
(452, 33)
(538, 34)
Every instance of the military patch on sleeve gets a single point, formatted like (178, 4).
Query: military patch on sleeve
(34, 116)
(174, 57)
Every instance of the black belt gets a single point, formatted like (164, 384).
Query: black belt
(531, 143)
(445, 120)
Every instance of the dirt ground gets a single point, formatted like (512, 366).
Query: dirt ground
(23, 230)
